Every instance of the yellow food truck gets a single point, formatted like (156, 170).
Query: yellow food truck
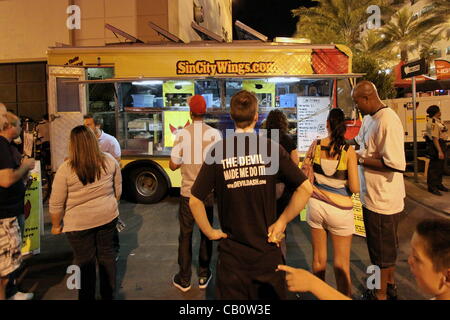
(141, 92)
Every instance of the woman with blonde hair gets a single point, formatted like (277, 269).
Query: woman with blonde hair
(84, 206)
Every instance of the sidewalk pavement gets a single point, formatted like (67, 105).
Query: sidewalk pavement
(149, 250)
(418, 191)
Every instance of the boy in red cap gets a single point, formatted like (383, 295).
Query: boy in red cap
(191, 143)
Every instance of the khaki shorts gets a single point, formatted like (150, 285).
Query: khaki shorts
(321, 215)
(10, 244)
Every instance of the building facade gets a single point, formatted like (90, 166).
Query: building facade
(441, 49)
(29, 27)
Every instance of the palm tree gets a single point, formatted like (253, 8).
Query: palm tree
(426, 44)
(440, 14)
(367, 47)
(336, 21)
(403, 30)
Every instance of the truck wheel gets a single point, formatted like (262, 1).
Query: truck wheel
(147, 185)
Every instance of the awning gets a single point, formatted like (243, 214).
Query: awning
(206, 34)
(244, 32)
(430, 85)
(399, 82)
(305, 76)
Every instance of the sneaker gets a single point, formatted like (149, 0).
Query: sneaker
(179, 284)
(204, 281)
(435, 192)
(369, 295)
(392, 291)
(22, 296)
(442, 188)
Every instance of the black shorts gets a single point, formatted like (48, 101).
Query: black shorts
(234, 282)
(381, 237)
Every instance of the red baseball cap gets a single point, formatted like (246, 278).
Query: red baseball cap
(197, 104)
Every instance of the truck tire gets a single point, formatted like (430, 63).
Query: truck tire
(146, 185)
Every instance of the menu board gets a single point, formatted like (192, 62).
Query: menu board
(312, 113)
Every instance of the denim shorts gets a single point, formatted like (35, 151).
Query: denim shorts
(381, 237)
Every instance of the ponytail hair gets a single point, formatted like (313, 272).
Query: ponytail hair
(336, 121)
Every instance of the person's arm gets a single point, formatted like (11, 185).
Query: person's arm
(296, 204)
(58, 199)
(438, 148)
(176, 155)
(292, 176)
(116, 152)
(203, 186)
(352, 166)
(8, 177)
(117, 181)
(199, 213)
(435, 132)
(299, 280)
(173, 166)
(57, 223)
(295, 157)
(372, 163)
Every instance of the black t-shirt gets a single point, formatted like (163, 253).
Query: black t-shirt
(286, 141)
(11, 199)
(244, 175)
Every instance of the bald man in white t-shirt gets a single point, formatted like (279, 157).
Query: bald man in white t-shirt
(383, 190)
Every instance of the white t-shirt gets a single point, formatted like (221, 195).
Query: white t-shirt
(190, 148)
(360, 138)
(109, 144)
(383, 138)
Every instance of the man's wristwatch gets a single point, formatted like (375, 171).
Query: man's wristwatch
(361, 160)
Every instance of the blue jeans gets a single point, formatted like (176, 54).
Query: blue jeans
(91, 246)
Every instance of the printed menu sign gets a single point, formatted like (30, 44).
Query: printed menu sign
(312, 113)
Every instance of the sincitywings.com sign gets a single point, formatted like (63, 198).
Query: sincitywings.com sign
(221, 67)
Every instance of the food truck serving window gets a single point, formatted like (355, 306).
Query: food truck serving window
(151, 112)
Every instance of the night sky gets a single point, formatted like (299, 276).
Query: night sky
(272, 18)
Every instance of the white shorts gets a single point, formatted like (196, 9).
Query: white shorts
(321, 215)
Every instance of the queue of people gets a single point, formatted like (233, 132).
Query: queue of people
(259, 189)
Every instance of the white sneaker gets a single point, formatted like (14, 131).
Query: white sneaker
(22, 296)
